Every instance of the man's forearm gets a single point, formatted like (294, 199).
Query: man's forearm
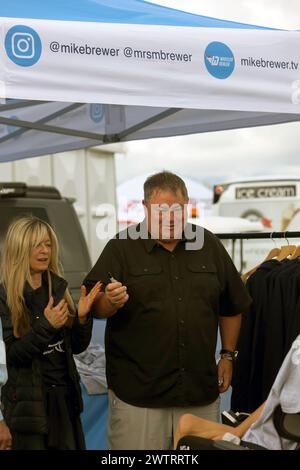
(229, 330)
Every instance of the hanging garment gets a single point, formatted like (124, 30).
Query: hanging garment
(267, 332)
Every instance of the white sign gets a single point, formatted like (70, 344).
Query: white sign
(151, 65)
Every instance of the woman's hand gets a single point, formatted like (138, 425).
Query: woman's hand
(86, 301)
(57, 316)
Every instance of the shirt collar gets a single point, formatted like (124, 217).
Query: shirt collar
(150, 243)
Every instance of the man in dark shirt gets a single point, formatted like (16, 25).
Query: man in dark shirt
(169, 285)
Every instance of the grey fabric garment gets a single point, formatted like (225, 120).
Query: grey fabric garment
(91, 367)
(285, 391)
(137, 428)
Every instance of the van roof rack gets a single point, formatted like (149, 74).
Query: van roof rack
(10, 190)
(260, 179)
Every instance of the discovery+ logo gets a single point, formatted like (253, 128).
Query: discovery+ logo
(219, 60)
(23, 45)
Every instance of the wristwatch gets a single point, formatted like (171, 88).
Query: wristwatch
(227, 354)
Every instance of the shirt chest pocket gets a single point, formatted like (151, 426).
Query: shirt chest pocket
(203, 280)
(145, 283)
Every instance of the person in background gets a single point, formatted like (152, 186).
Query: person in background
(191, 425)
(41, 330)
(169, 285)
(5, 436)
(260, 428)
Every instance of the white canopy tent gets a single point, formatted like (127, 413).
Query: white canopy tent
(79, 73)
(132, 189)
(130, 195)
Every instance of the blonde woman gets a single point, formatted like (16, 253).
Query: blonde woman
(41, 330)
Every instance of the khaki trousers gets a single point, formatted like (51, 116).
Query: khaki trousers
(135, 428)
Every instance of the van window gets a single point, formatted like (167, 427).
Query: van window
(275, 203)
(18, 199)
(10, 213)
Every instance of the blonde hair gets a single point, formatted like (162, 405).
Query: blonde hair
(22, 236)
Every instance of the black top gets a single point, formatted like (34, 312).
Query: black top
(160, 347)
(53, 360)
(267, 333)
(23, 395)
(247, 377)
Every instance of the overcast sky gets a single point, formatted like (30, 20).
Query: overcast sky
(215, 156)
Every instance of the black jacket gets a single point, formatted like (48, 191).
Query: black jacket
(267, 333)
(23, 396)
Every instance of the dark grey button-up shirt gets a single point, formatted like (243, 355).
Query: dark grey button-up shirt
(160, 347)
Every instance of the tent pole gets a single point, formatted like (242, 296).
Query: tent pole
(47, 118)
(53, 129)
(15, 104)
(148, 122)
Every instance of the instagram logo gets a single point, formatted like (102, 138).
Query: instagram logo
(96, 112)
(23, 45)
(10, 129)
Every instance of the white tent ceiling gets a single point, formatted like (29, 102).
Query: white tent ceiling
(187, 74)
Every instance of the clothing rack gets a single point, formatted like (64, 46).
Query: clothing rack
(253, 236)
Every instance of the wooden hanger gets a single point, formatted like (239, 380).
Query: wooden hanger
(272, 253)
(296, 253)
(285, 251)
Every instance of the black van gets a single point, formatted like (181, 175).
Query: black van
(18, 199)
